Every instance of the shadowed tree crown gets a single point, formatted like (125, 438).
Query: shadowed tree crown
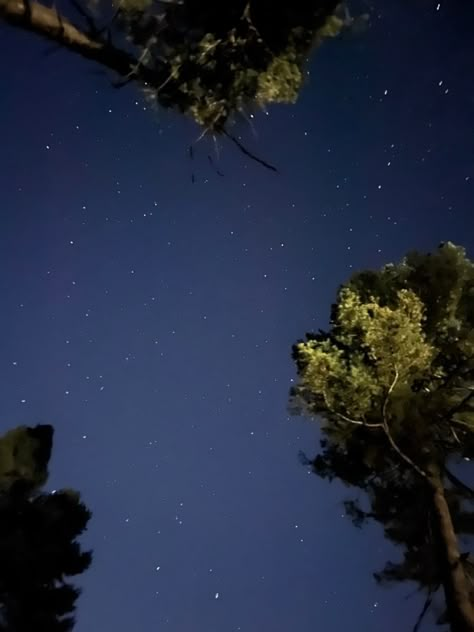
(39, 550)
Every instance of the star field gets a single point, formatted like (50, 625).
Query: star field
(150, 318)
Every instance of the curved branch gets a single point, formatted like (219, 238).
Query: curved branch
(356, 422)
(455, 435)
(248, 153)
(391, 440)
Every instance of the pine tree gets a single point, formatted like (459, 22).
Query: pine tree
(39, 550)
(392, 383)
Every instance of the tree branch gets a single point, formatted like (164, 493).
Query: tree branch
(248, 153)
(387, 397)
(388, 434)
(454, 480)
(357, 422)
(47, 23)
(455, 435)
(424, 610)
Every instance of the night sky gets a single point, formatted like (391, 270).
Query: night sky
(150, 319)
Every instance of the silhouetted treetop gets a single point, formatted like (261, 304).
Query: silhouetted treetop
(24, 456)
(39, 550)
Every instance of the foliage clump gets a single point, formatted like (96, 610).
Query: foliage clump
(216, 59)
(401, 345)
(39, 548)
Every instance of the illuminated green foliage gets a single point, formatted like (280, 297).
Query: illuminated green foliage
(218, 60)
(400, 351)
(392, 383)
(383, 341)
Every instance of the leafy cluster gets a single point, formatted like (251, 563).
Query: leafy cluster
(216, 58)
(353, 369)
(400, 351)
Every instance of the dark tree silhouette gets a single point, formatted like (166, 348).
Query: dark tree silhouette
(39, 550)
(393, 385)
(397, 500)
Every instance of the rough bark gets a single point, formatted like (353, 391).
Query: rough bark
(47, 23)
(455, 583)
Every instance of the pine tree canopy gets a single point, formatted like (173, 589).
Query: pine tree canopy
(399, 358)
(208, 59)
(392, 384)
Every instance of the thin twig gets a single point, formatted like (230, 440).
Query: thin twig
(389, 392)
(356, 422)
(454, 433)
(248, 153)
(142, 57)
(454, 480)
(424, 610)
(211, 162)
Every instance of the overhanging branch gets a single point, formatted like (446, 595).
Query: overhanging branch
(47, 23)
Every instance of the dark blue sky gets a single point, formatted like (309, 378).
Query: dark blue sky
(151, 319)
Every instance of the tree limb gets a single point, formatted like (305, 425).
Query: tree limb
(458, 483)
(388, 434)
(356, 422)
(424, 610)
(47, 23)
(248, 153)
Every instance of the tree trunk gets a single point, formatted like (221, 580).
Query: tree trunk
(455, 583)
